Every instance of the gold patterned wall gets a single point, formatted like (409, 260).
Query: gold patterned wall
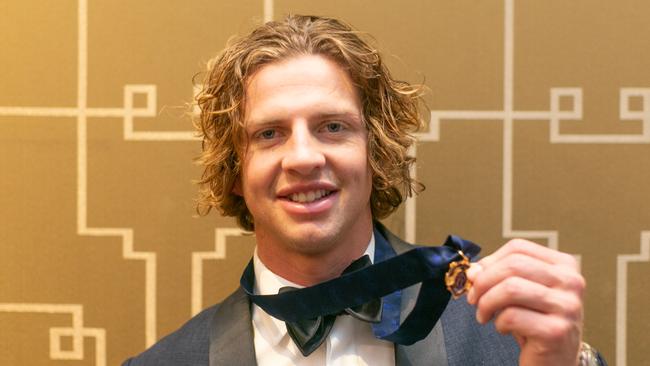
(539, 128)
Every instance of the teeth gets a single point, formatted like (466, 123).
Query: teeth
(310, 196)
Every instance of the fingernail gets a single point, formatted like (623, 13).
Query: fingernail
(474, 268)
(479, 318)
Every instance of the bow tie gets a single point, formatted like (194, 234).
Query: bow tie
(309, 334)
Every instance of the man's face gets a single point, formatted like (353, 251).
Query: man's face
(305, 176)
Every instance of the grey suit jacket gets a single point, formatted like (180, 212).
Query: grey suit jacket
(222, 335)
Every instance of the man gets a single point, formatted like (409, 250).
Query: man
(305, 140)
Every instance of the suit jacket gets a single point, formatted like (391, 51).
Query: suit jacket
(222, 335)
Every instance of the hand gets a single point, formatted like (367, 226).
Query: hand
(535, 294)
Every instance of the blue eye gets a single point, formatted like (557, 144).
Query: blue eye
(267, 134)
(334, 127)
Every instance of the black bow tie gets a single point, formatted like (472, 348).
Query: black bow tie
(309, 334)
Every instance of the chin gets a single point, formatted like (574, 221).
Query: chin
(312, 250)
(313, 242)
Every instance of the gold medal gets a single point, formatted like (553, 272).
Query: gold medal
(456, 277)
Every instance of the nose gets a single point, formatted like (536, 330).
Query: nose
(304, 153)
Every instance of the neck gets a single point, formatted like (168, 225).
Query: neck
(319, 262)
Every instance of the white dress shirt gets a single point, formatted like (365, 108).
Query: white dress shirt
(351, 341)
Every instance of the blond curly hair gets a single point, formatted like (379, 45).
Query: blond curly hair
(389, 110)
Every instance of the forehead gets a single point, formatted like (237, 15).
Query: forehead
(300, 86)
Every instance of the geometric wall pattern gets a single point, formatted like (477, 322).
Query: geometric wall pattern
(539, 128)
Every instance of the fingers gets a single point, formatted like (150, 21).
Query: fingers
(535, 325)
(515, 264)
(522, 293)
(544, 339)
(531, 249)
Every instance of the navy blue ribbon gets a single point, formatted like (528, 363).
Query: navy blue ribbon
(384, 279)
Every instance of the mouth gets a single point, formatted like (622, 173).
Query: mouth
(309, 196)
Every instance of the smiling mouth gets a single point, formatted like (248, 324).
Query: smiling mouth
(308, 197)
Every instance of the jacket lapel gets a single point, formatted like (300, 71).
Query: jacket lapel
(231, 334)
(431, 350)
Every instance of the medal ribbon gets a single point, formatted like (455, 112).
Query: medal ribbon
(384, 279)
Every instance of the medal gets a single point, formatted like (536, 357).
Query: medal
(456, 277)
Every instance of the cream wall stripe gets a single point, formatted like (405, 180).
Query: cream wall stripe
(99, 334)
(508, 135)
(82, 181)
(73, 112)
(38, 111)
(77, 331)
(625, 94)
(268, 10)
(149, 111)
(508, 79)
(621, 295)
(219, 252)
(508, 115)
(128, 113)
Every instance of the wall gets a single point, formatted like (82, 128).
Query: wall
(539, 128)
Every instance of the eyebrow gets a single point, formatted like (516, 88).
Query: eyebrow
(319, 116)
